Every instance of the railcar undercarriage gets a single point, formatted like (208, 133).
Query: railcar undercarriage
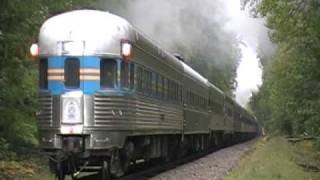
(73, 158)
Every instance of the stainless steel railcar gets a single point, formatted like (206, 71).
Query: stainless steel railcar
(110, 96)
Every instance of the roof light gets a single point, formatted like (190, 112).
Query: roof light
(126, 48)
(34, 50)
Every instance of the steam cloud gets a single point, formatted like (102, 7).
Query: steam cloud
(191, 28)
(256, 47)
(208, 30)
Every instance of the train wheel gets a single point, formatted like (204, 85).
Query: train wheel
(60, 172)
(126, 156)
(121, 158)
(120, 162)
(105, 171)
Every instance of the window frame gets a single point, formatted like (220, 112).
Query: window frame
(124, 76)
(103, 74)
(68, 76)
(43, 74)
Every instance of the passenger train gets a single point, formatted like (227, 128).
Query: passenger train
(109, 96)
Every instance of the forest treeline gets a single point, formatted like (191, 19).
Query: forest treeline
(19, 25)
(288, 101)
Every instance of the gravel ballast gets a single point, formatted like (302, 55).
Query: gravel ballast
(213, 166)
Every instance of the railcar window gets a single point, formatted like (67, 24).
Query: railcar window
(143, 79)
(161, 86)
(202, 101)
(139, 78)
(150, 82)
(43, 74)
(169, 91)
(181, 94)
(188, 97)
(173, 90)
(191, 98)
(176, 92)
(71, 73)
(236, 116)
(144, 82)
(147, 82)
(154, 84)
(197, 100)
(229, 112)
(164, 89)
(132, 75)
(124, 74)
(108, 73)
(219, 108)
(156, 90)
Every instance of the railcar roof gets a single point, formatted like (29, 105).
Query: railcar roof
(215, 88)
(193, 74)
(97, 29)
(99, 32)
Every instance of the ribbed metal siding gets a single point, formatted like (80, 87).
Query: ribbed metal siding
(156, 115)
(135, 113)
(116, 112)
(45, 110)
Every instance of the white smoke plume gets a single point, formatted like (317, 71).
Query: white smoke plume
(210, 30)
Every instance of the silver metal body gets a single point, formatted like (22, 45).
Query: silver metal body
(108, 118)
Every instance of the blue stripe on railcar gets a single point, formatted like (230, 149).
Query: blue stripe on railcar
(56, 62)
(89, 87)
(89, 62)
(57, 87)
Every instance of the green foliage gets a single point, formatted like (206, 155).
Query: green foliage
(20, 22)
(289, 98)
(275, 159)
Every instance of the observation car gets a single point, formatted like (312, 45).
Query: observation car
(109, 96)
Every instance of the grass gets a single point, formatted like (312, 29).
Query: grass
(270, 159)
(26, 166)
(274, 159)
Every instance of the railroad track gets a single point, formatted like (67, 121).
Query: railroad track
(157, 169)
(144, 171)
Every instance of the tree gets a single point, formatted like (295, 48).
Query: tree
(291, 78)
(20, 22)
